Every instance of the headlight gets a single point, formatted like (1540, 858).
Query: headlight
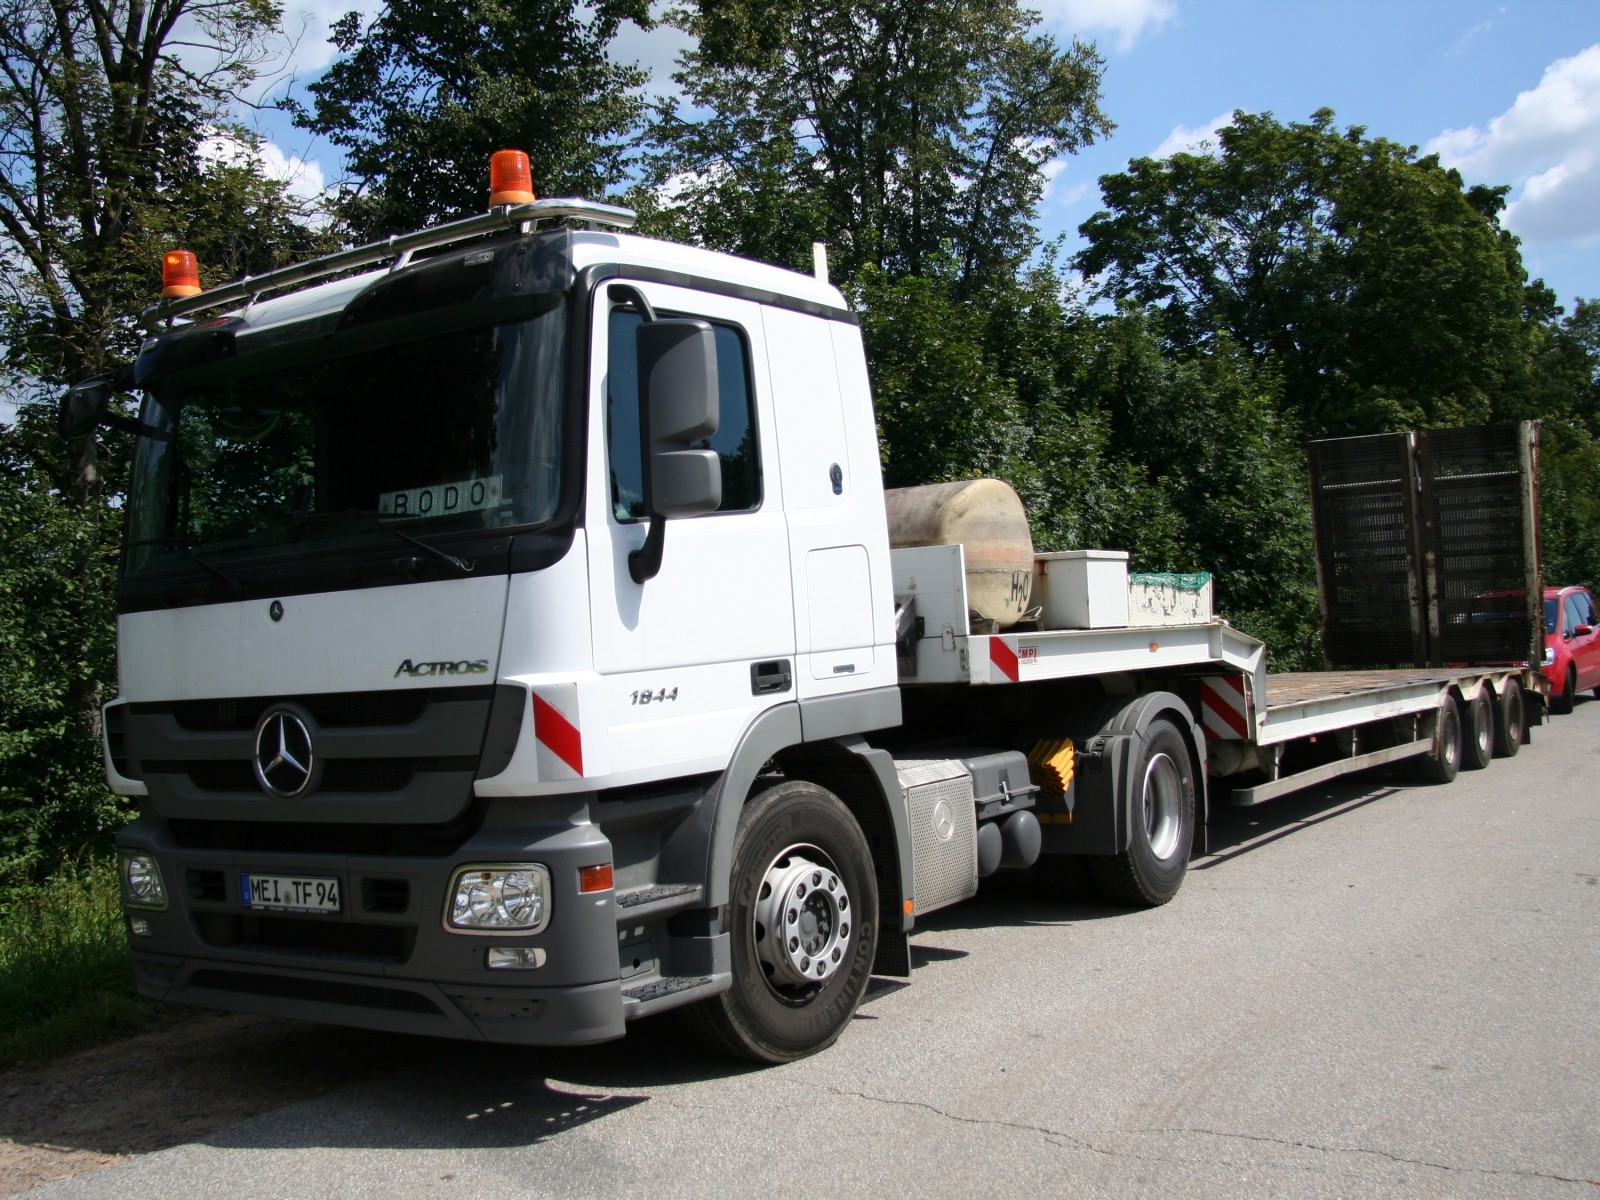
(141, 882)
(496, 898)
(1549, 656)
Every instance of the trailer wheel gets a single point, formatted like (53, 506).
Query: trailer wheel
(1561, 702)
(1161, 816)
(1510, 719)
(803, 907)
(1477, 743)
(1442, 764)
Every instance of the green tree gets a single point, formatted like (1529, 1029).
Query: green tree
(1384, 290)
(425, 93)
(113, 148)
(905, 133)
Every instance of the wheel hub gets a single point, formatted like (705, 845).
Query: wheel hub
(803, 917)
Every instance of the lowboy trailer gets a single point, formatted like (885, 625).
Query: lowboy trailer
(511, 646)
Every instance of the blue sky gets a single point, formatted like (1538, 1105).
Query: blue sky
(1510, 92)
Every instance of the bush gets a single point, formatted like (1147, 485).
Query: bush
(65, 975)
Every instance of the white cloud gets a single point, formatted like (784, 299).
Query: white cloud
(305, 180)
(1198, 139)
(1547, 144)
(656, 50)
(1125, 18)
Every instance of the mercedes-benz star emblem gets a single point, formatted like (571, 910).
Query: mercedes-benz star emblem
(283, 754)
(275, 610)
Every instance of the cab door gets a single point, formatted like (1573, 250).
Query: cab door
(689, 657)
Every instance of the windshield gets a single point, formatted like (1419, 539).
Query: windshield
(449, 433)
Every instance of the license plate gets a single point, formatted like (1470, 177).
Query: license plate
(290, 893)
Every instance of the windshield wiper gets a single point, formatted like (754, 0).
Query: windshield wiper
(466, 568)
(233, 584)
(172, 543)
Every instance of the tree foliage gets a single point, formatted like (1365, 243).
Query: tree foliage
(898, 131)
(114, 147)
(425, 93)
(1385, 290)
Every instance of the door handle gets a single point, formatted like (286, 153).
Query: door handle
(769, 677)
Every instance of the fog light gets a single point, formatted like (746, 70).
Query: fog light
(515, 958)
(490, 898)
(141, 882)
(139, 926)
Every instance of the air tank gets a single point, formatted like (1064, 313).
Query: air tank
(986, 518)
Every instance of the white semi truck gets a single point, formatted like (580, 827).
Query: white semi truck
(511, 646)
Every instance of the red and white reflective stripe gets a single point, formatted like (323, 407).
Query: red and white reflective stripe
(1002, 659)
(558, 730)
(1225, 707)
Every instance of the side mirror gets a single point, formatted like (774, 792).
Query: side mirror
(679, 403)
(84, 407)
(1583, 631)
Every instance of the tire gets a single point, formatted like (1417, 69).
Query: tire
(1561, 703)
(1151, 870)
(1510, 720)
(1477, 733)
(793, 840)
(1442, 765)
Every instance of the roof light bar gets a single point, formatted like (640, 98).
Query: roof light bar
(398, 246)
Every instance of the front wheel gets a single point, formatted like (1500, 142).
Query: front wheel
(1151, 870)
(802, 911)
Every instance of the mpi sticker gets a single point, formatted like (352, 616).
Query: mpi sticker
(443, 499)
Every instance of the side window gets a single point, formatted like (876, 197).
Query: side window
(734, 441)
(1572, 618)
(1585, 608)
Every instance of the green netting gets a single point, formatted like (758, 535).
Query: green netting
(1190, 582)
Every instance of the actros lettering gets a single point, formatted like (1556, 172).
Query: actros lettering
(464, 667)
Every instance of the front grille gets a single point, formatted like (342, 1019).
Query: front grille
(315, 837)
(313, 937)
(355, 995)
(385, 895)
(333, 710)
(338, 775)
(206, 885)
(367, 774)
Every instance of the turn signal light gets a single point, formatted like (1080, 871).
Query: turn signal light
(180, 274)
(510, 178)
(595, 879)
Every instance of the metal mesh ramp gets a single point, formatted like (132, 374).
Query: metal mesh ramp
(1472, 489)
(1361, 514)
(1427, 546)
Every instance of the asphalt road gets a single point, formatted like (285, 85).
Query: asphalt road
(1376, 990)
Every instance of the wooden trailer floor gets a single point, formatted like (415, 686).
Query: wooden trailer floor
(1302, 687)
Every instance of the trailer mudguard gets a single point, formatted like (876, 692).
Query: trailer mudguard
(1107, 732)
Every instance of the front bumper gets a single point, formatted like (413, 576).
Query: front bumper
(383, 962)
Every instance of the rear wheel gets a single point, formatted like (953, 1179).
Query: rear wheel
(1510, 719)
(1478, 733)
(1561, 703)
(1151, 870)
(1442, 764)
(803, 904)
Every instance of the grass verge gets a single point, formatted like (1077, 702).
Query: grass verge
(65, 976)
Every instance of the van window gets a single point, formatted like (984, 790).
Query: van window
(734, 441)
